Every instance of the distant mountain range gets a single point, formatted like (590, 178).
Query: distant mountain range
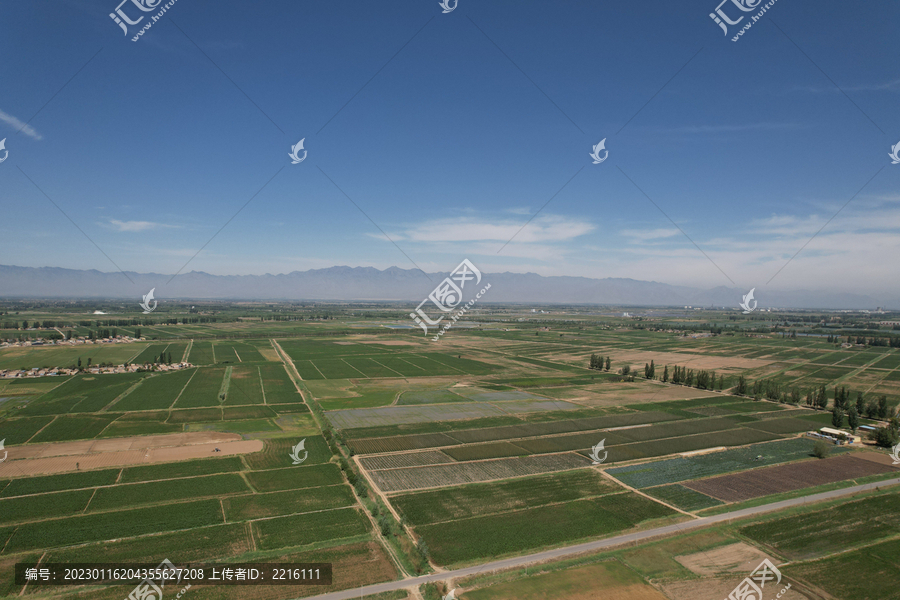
(395, 284)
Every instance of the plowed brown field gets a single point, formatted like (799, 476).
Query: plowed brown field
(43, 459)
(786, 478)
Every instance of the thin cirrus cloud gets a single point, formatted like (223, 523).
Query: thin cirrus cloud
(548, 228)
(646, 235)
(133, 226)
(893, 85)
(731, 128)
(19, 125)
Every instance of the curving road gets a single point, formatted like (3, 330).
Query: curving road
(522, 561)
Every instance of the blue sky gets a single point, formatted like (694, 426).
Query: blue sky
(451, 131)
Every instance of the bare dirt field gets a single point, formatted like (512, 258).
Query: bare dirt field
(716, 589)
(733, 558)
(609, 580)
(786, 478)
(638, 392)
(269, 354)
(638, 358)
(877, 457)
(43, 459)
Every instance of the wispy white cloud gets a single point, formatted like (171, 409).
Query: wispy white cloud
(136, 225)
(865, 87)
(729, 128)
(643, 235)
(20, 125)
(543, 228)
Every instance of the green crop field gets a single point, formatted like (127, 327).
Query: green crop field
(44, 506)
(155, 392)
(54, 483)
(274, 504)
(278, 386)
(276, 453)
(832, 530)
(301, 530)
(308, 370)
(195, 415)
(234, 413)
(84, 393)
(106, 526)
(295, 477)
(206, 543)
(129, 428)
(237, 352)
(245, 386)
(189, 468)
(782, 425)
(682, 497)
(151, 354)
(167, 490)
(501, 534)
(74, 428)
(866, 574)
(238, 426)
(49, 356)
(203, 389)
(201, 354)
(19, 431)
(479, 499)
(483, 451)
(688, 443)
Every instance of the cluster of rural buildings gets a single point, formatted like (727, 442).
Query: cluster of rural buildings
(836, 436)
(120, 339)
(56, 371)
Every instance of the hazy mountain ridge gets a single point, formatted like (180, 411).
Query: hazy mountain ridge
(396, 284)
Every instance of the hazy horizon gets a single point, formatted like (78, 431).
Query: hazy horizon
(431, 137)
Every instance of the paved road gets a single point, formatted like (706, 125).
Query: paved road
(522, 561)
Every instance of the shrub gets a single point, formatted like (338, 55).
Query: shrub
(422, 547)
(385, 524)
(884, 437)
(821, 449)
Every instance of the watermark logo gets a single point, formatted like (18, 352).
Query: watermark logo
(722, 20)
(445, 4)
(152, 588)
(447, 297)
(122, 20)
(146, 303)
(595, 452)
(751, 587)
(895, 453)
(6, 155)
(294, 154)
(596, 153)
(745, 304)
(5, 452)
(895, 151)
(450, 596)
(295, 452)
(744, 5)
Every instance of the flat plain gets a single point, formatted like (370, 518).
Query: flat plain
(485, 445)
